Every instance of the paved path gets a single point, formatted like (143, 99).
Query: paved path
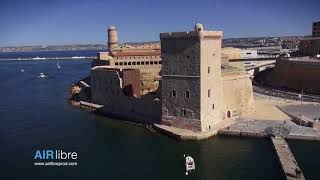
(286, 158)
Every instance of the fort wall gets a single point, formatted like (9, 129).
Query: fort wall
(237, 96)
(146, 109)
(296, 75)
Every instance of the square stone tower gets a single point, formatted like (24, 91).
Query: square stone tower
(191, 84)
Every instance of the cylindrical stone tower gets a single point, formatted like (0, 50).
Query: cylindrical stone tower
(112, 37)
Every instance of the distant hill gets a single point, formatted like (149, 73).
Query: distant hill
(75, 47)
(235, 42)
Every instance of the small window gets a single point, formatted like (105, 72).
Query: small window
(156, 62)
(121, 63)
(125, 63)
(184, 113)
(213, 106)
(187, 95)
(159, 62)
(142, 63)
(208, 70)
(129, 63)
(116, 64)
(147, 63)
(173, 93)
(209, 92)
(133, 63)
(138, 63)
(151, 62)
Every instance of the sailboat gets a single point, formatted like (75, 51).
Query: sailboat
(58, 65)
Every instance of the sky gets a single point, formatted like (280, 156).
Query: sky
(58, 22)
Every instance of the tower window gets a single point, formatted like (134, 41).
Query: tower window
(125, 63)
(173, 93)
(138, 63)
(184, 112)
(208, 70)
(187, 95)
(209, 92)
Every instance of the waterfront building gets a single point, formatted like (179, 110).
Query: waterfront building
(316, 29)
(196, 89)
(310, 46)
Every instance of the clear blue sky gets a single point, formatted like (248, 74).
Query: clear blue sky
(45, 22)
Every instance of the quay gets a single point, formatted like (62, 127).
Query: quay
(270, 128)
(288, 163)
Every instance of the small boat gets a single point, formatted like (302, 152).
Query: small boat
(39, 58)
(190, 165)
(58, 65)
(42, 75)
(22, 70)
(78, 57)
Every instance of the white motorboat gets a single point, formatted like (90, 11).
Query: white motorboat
(78, 57)
(22, 70)
(42, 75)
(190, 165)
(39, 58)
(58, 65)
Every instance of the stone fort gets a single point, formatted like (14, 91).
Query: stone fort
(191, 85)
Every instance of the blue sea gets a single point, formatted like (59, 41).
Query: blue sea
(35, 115)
